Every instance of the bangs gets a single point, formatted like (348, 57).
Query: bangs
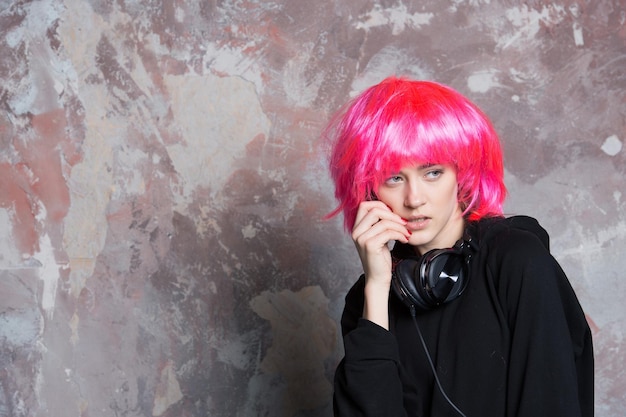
(432, 136)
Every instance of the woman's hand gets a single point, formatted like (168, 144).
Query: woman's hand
(375, 225)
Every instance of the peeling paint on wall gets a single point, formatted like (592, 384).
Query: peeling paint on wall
(216, 118)
(303, 339)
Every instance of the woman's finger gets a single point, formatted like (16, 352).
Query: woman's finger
(373, 238)
(372, 212)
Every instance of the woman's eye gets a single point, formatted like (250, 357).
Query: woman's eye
(394, 179)
(435, 173)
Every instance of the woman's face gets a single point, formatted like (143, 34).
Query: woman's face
(426, 196)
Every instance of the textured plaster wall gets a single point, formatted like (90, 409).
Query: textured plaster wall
(162, 248)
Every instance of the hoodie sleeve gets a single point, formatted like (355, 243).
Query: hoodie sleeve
(551, 358)
(367, 381)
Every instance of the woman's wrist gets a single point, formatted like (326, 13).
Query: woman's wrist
(376, 305)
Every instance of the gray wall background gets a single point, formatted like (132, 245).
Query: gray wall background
(162, 248)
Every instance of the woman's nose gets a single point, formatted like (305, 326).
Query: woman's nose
(414, 197)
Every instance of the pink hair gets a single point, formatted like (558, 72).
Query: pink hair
(399, 122)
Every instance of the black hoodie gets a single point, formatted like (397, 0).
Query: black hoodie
(516, 343)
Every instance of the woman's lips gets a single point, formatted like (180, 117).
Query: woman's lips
(417, 223)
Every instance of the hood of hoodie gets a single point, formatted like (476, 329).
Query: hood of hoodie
(486, 228)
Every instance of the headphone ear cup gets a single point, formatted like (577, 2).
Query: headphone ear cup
(406, 284)
(444, 275)
(438, 277)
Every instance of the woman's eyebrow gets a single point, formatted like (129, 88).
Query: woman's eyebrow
(428, 165)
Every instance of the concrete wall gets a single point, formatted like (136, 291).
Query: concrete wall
(162, 248)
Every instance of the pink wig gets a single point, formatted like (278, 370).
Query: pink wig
(400, 122)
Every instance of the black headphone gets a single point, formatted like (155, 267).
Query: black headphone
(437, 277)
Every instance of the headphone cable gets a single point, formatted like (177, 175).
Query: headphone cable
(432, 366)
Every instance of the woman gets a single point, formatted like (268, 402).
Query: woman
(468, 314)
